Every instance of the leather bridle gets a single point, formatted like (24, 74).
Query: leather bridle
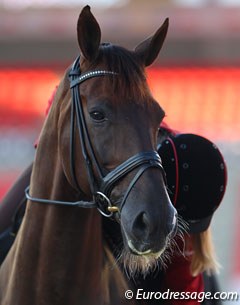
(102, 186)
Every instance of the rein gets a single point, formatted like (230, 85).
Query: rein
(101, 188)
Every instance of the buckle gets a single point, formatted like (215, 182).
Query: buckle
(104, 205)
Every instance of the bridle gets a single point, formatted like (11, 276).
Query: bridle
(102, 187)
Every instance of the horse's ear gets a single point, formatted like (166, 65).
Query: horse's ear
(148, 50)
(89, 34)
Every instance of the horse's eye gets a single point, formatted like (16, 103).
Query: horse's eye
(97, 116)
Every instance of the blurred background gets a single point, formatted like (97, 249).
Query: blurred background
(196, 80)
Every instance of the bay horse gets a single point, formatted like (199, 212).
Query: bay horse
(97, 149)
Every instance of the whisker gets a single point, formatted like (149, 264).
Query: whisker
(134, 265)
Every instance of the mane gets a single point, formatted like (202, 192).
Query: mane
(131, 78)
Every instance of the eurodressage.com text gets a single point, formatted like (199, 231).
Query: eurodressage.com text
(171, 295)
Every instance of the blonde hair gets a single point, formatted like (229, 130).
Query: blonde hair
(203, 254)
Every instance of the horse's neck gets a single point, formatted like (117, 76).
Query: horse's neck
(58, 256)
(56, 246)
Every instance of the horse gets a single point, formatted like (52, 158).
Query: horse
(96, 153)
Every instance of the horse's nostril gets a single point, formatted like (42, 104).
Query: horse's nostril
(145, 220)
(141, 225)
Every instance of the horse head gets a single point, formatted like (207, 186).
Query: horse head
(118, 132)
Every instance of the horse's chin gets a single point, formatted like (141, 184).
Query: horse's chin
(142, 263)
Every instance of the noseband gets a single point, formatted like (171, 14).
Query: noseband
(102, 186)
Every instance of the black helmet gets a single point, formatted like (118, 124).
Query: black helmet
(196, 177)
